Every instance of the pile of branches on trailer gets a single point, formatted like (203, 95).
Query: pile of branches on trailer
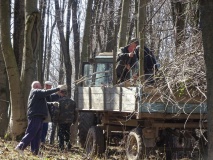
(183, 78)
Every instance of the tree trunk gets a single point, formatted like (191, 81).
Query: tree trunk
(84, 53)
(18, 116)
(49, 49)
(123, 24)
(70, 3)
(178, 9)
(93, 44)
(131, 27)
(141, 33)
(65, 51)
(207, 37)
(151, 29)
(46, 59)
(76, 37)
(117, 24)
(4, 97)
(68, 23)
(40, 73)
(61, 68)
(197, 14)
(99, 20)
(91, 49)
(18, 36)
(31, 47)
(110, 29)
(136, 19)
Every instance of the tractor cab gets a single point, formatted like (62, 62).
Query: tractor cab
(98, 71)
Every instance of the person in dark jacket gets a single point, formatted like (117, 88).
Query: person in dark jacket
(125, 60)
(36, 113)
(128, 60)
(66, 117)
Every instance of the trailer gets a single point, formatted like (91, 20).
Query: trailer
(140, 118)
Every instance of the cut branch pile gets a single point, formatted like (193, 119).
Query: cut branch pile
(183, 79)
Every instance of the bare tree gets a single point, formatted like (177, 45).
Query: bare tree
(68, 31)
(98, 20)
(48, 41)
(110, 28)
(18, 36)
(84, 52)
(123, 24)
(49, 49)
(178, 13)
(31, 46)
(141, 31)
(4, 97)
(76, 37)
(17, 118)
(64, 47)
(207, 37)
(40, 70)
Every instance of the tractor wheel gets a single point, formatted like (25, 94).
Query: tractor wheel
(134, 145)
(95, 142)
(86, 120)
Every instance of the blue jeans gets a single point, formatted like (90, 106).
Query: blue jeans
(32, 134)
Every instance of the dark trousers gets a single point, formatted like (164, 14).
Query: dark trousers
(32, 134)
(44, 132)
(52, 133)
(64, 135)
(123, 74)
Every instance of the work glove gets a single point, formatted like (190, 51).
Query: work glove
(62, 87)
(55, 104)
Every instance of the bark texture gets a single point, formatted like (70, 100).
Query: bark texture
(123, 24)
(207, 37)
(64, 47)
(4, 97)
(18, 117)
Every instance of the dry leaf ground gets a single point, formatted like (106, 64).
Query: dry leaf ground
(51, 152)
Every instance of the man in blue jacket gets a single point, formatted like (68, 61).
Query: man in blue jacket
(36, 113)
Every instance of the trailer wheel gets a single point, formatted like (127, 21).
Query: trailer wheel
(134, 145)
(95, 142)
(86, 120)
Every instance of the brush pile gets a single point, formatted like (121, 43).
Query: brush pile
(183, 77)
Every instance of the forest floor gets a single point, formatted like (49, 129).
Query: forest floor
(51, 152)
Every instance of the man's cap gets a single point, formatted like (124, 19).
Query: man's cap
(134, 40)
(48, 83)
(63, 87)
